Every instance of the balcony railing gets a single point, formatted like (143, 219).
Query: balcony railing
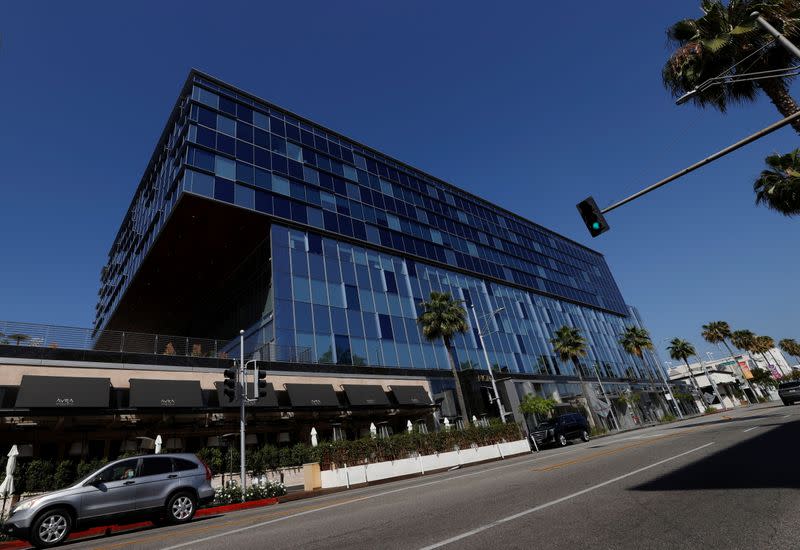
(52, 337)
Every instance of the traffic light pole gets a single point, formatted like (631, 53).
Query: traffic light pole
(730, 149)
(243, 389)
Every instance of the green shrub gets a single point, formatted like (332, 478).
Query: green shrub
(85, 468)
(64, 475)
(668, 418)
(229, 493)
(212, 457)
(266, 489)
(710, 410)
(38, 476)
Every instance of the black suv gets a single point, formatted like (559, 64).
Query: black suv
(789, 392)
(561, 429)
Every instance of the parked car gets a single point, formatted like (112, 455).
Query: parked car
(561, 429)
(789, 392)
(163, 488)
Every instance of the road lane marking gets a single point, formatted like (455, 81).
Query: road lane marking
(786, 415)
(753, 428)
(559, 500)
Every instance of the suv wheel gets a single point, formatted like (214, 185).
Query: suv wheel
(51, 528)
(562, 440)
(181, 507)
(585, 435)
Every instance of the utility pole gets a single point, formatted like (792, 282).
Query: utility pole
(669, 390)
(243, 387)
(489, 365)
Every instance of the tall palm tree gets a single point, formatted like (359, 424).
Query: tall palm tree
(681, 350)
(569, 345)
(761, 345)
(635, 341)
(726, 40)
(717, 332)
(769, 344)
(790, 347)
(778, 187)
(743, 339)
(443, 317)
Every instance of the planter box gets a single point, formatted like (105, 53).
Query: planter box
(365, 473)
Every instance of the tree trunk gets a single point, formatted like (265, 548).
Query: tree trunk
(459, 393)
(694, 381)
(593, 418)
(746, 381)
(778, 94)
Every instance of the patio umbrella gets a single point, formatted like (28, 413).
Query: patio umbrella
(373, 431)
(313, 437)
(446, 424)
(158, 444)
(409, 426)
(7, 487)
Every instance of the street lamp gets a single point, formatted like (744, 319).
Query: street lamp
(666, 383)
(488, 362)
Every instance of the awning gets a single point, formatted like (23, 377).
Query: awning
(366, 396)
(269, 400)
(312, 395)
(63, 391)
(411, 395)
(165, 393)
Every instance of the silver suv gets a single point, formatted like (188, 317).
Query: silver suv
(164, 488)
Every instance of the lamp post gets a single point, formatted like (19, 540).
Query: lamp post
(242, 405)
(710, 381)
(488, 362)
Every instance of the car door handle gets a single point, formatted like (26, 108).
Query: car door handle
(172, 476)
(129, 483)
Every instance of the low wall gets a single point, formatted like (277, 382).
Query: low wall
(365, 473)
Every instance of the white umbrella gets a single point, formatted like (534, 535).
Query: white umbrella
(7, 487)
(158, 444)
(313, 437)
(446, 424)
(474, 419)
(373, 431)
(409, 426)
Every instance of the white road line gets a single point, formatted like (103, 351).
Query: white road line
(786, 415)
(558, 501)
(753, 428)
(367, 497)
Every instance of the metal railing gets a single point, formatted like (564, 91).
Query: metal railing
(33, 335)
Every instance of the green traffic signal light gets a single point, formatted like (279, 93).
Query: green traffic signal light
(596, 226)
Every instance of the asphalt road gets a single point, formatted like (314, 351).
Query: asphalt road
(713, 482)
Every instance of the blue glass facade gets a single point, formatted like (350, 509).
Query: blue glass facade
(358, 239)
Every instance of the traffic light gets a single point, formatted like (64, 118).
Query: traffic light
(230, 384)
(593, 217)
(261, 384)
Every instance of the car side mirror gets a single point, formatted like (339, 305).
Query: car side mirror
(95, 481)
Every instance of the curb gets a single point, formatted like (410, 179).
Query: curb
(121, 528)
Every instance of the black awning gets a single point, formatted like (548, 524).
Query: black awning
(268, 401)
(165, 393)
(63, 391)
(411, 395)
(312, 395)
(366, 396)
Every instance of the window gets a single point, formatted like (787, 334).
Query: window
(153, 466)
(119, 472)
(225, 168)
(226, 125)
(182, 465)
(385, 326)
(260, 120)
(294, 152)
(280, 185)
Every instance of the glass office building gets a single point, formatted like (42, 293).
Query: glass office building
(249, 216)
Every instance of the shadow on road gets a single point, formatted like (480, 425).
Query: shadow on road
(742, 466)
(726, 420)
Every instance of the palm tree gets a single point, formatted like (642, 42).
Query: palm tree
(743, 339)
(570, 346)
(790, 347)
(769, 344)
(681, 350)
(762, 345)
(726, 40)
(443, 317)
(717, 332)
(778, 187)
(635, 341)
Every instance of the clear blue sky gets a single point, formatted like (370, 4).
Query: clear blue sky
(527, 105)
